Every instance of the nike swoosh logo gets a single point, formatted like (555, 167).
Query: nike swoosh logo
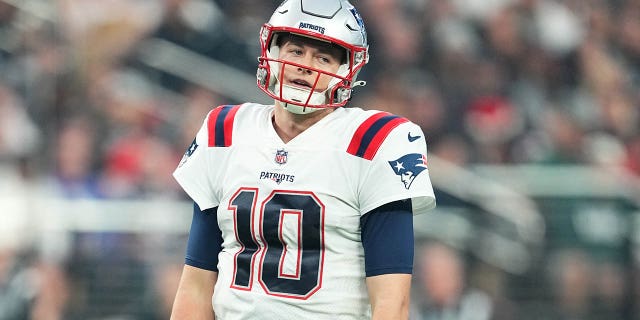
(412, 138)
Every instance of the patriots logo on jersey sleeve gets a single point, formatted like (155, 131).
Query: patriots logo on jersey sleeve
(408, 167)
(192, 148)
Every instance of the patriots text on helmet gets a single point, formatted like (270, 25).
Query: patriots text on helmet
(309, 26)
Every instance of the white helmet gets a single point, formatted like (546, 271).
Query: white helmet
(334, 21)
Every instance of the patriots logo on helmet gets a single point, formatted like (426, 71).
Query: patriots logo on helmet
(360, 22)
(408, 167)
(192, 148)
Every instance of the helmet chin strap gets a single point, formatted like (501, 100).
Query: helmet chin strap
(300, 95)
(296, 109)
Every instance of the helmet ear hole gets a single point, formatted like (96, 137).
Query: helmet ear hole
(342, 94)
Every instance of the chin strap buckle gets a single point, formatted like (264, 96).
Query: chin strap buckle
(359, 83)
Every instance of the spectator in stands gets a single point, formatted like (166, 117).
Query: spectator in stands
(19, 136)
(442, 290)
(571, 278)
(74, 159)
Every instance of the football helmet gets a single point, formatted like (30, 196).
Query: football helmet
(333, 21)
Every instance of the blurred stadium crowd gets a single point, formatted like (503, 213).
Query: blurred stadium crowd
(499, 82)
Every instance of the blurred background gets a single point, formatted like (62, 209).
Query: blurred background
(531, 110)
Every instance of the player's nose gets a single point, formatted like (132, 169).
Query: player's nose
(306, 60)
(305, 70)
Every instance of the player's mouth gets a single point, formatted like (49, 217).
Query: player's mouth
(300, 83)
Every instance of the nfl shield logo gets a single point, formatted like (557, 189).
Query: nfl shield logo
(281, 156)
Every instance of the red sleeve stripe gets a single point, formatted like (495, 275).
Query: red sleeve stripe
(220, 125)
(211, 125)
(371, 134)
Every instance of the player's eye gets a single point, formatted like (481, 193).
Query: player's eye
(296, 51)
(324, 59)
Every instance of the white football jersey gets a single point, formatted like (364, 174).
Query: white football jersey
(290, 212)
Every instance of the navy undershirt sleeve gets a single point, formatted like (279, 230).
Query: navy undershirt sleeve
(205, 239)
(387, 238)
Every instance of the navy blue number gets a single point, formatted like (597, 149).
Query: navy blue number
(303, 207)
(243, 204)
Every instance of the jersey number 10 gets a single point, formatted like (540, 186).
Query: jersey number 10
(304, 247)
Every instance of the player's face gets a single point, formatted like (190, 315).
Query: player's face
(313, 53)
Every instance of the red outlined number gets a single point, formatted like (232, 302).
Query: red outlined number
(294, 247)
(290, 246)
(243, 204)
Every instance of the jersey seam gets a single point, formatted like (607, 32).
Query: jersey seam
(200, 264)
(391, 199)
(389, 270)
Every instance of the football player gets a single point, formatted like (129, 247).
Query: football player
(303, 209)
